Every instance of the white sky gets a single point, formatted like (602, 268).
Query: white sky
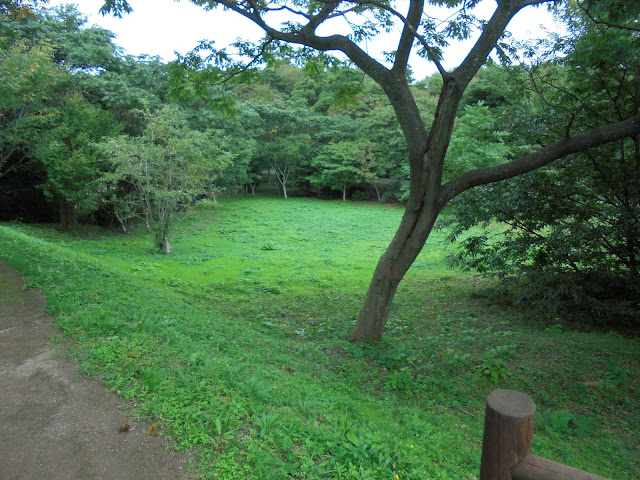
(162, 27)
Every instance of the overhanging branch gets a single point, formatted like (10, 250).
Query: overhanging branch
(567, 146)
(491, 32)
(306, 36)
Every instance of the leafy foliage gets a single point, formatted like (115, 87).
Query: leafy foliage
(342, 164)
(28, 77)
(569, 241)
(165, 168)
(65, 150)
(477, 141)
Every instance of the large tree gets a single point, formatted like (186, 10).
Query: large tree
(427, 147)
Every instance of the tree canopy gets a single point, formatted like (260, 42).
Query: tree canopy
(571, 242)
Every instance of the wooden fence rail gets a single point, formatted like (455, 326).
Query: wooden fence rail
(506, 444)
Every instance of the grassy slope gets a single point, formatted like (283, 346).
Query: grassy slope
(236, 343)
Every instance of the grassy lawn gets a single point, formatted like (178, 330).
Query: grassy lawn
(236, 344)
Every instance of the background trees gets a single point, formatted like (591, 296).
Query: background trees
(66, 88)
(78, 121)
(64, 149)
(340, 165)
(163, 170)
(28, 76)
(47, 122)
(284, 145)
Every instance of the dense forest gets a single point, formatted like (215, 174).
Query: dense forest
(91, 135)
(77, 113)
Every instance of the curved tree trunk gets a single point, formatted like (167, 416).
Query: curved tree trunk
(420, 215)
(411, 236)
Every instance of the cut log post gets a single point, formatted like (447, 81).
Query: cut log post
(508, 433)
(506, 445)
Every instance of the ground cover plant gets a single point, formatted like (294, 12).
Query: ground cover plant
(235, 344)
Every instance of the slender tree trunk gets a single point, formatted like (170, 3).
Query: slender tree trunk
(344, 192)
(120, 221)
(411, 236)
(377, 191)
(284, 190)
(162, 227)
(67, 213)
(166, 248)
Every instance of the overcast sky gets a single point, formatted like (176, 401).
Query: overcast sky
(162, 27)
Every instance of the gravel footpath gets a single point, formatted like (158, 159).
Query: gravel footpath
(55, 424)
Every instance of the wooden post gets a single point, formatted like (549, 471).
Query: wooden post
(508, 433)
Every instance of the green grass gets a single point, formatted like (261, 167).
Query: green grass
(235, 343)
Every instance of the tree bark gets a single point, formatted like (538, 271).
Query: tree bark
(414, 229)
(422, 210)
(411, 236)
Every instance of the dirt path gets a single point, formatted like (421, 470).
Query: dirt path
(54, 424)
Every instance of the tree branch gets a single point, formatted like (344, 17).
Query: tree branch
(306, 36)
(599, 21)
(316, 20)
(409, 28)
(491, 32)
(245, 67)
(578, 143)
(411, 23)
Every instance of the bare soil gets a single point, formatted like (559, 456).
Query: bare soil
(56, 424)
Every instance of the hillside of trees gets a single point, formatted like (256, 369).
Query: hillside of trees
(77, 113)
(89, 134)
